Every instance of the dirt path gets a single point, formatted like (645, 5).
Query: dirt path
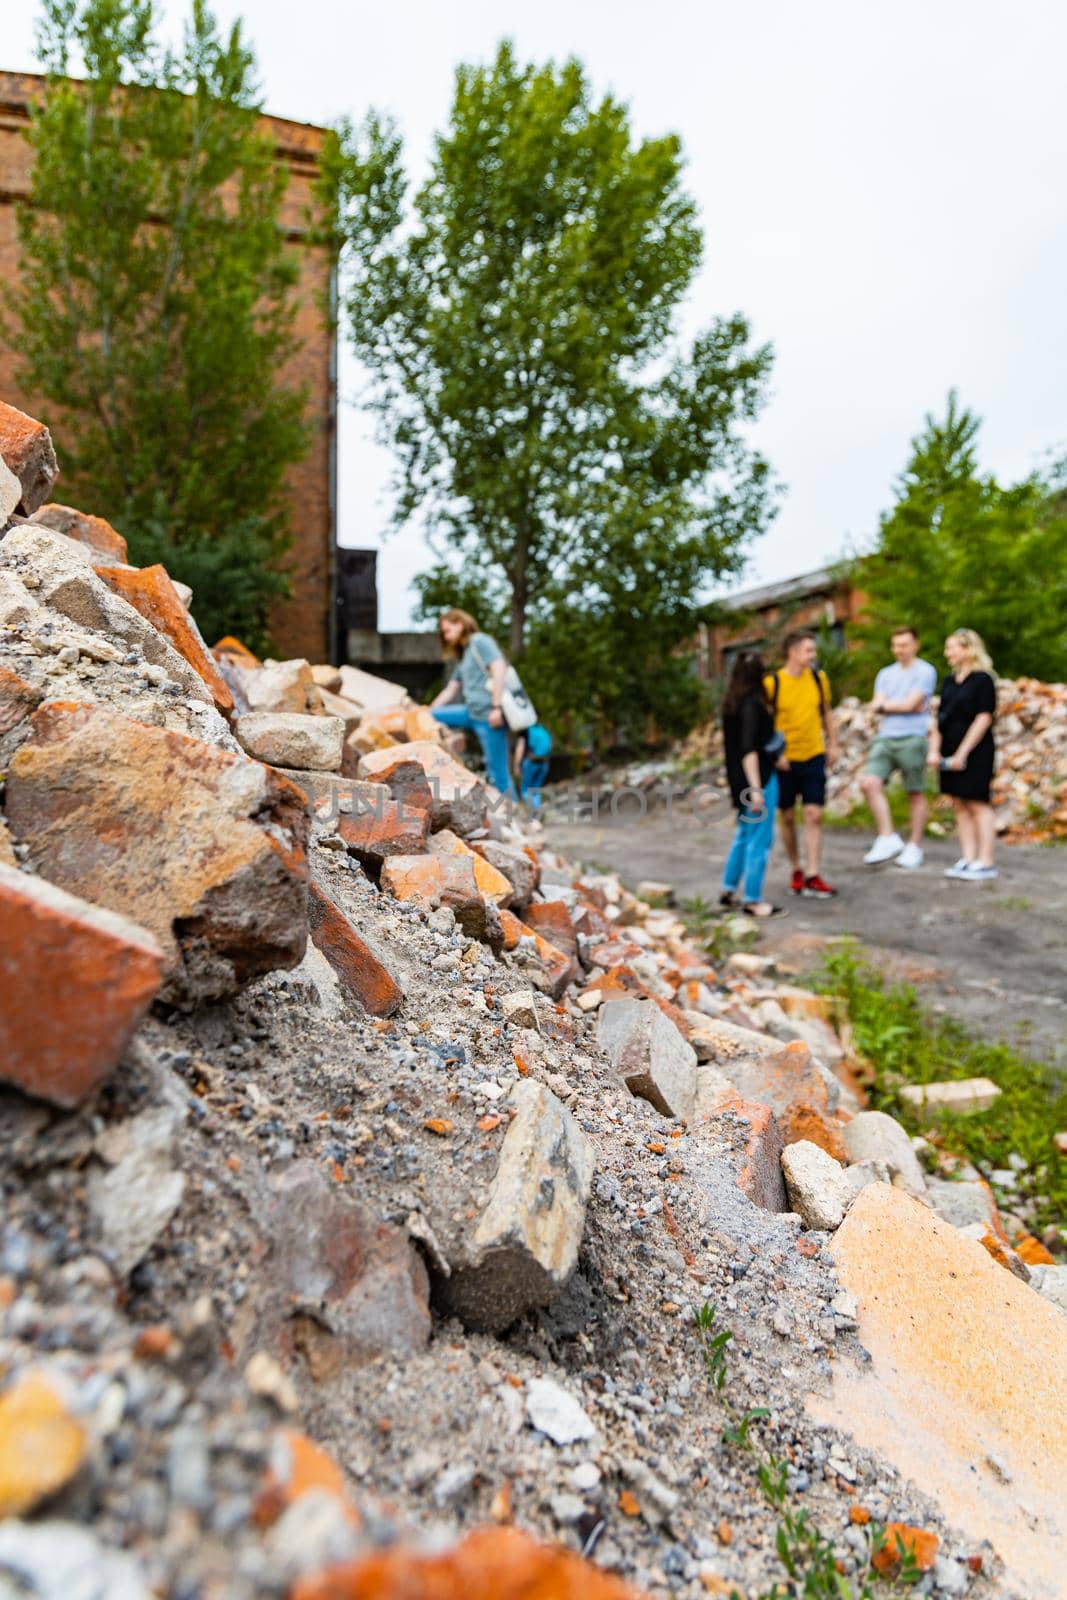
(993, 954)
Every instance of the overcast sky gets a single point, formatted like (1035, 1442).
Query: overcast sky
(882, 189)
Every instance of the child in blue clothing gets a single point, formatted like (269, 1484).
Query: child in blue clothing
(532, 749)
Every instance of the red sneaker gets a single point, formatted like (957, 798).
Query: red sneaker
(796, 882)
(818, 888)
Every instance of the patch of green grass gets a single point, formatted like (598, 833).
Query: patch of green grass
(906, 1045)
(1012, 902)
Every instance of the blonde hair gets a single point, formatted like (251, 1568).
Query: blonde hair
(978, 657)
(470, 628)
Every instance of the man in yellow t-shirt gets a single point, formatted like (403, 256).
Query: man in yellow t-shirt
(800, 695)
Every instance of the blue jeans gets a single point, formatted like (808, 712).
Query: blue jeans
(749, 853)
(494, 743)
(532, 779)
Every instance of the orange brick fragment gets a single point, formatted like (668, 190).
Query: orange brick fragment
(26, 448)
(513, 929)
(803, 1121)
(859, 1515)
(41, 1445)
(724, 1532)
(920, 1543)
(489, 1564)
(439, 1125)
(1033, 1252)
(628, 1504)
(359, 970)
(108, 970)
(154, 1342)
(487, 1124)
(297, 1467)
(150, 591)
(380, 831)
(552, 921)
(232, 649)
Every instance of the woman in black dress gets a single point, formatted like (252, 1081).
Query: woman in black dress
(961, 745)
(752, 751)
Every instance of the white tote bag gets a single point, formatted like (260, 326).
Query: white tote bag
(515, 703)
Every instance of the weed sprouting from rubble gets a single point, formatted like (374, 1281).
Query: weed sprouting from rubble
(809, 1558)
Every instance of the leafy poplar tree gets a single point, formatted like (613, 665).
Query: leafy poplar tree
(575, 465)
(958, 549)
(155, 303)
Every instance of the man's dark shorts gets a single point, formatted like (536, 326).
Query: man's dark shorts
(806, 781)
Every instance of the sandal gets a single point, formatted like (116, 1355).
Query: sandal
(728, 900)
(764, 916)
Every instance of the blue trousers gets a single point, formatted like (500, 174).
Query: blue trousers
(494, 743)
(532, 780)
(750, 851)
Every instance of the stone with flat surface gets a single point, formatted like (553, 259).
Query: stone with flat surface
(967, 1365)
(959, 1095)
(292, 739)
(524, 1245)
(649, 1053)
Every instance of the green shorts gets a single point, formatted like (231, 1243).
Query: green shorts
(906, 755)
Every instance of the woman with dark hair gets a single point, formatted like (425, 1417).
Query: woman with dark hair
(752, 751)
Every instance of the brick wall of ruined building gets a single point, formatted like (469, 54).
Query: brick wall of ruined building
(301, 626)
(841, 606)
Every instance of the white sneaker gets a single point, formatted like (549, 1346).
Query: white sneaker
(976, 873)
(884, 848)
(960, 870)
(910, 857)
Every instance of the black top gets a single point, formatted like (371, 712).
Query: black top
(960, 704)
(744, 730)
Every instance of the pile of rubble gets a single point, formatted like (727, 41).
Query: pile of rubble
(363, 1160)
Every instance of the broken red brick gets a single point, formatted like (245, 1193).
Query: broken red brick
(488, 1564)
(760, 1171)
(918, 1543)
(805, 1122)
(1033, 1252)
(615, 953)
(95, 532)
(360, 972)
(375, 832)
(590, 920)
(26, 448)
(449, 881)
(154, 1342)
(513, 929)
(233, 650)
(150, 591)
(491, 883)
(107, 971)
(203, 848)
(552, 921)
(298, 1466)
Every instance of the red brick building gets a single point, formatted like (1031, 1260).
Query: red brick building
(304, 625)
(818, 600)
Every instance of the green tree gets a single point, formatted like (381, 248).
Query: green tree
(959, 549)
(155, 299)
(571, 462)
